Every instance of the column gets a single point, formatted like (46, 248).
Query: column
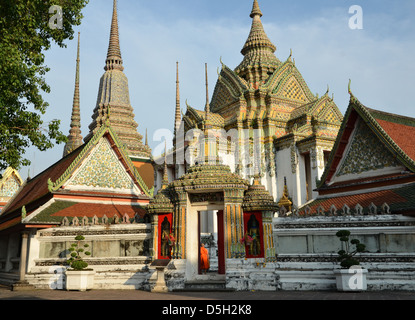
(23, 256)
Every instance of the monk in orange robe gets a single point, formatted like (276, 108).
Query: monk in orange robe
(204, 258)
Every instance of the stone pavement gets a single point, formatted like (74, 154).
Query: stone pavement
(203, 305)
(7, 294)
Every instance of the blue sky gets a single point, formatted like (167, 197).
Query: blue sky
(155, 34)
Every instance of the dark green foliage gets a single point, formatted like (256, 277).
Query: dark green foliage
(75, 261)
(25, 34)
(346, 257)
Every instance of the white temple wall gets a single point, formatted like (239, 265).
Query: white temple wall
(119, 255)
(307, 250)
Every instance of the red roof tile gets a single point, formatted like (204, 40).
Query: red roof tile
(402, 135)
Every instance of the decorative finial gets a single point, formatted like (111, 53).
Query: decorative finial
(291, 54)
(256, 11)
(349, 89)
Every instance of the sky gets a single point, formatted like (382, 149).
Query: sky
(327, 47)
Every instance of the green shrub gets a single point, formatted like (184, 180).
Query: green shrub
(76, 261)
(347, 257)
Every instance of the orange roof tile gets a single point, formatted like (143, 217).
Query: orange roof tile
(403, 135)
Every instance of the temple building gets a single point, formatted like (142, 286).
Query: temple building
(263, 107)
(368, 188)
(263, 177)
(382, 181)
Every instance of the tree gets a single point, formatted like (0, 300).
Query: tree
(27, 30)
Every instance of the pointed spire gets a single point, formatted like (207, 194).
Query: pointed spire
(74, 137)
(256, 10)
(257, 37)
(178, 118)
(114, 59)
(258, 50)
(146, 138)
(114, 96)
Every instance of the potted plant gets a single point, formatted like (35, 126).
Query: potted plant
(78, 277)
(351, 276)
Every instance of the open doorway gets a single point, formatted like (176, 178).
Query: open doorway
(211, 235)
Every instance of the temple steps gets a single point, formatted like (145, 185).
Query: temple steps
(206, 283)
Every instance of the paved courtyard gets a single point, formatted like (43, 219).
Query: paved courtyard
(7, 294)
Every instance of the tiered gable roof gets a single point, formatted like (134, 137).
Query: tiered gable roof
(262, 87)
(371, 167)
(394, 137)
(64, 186)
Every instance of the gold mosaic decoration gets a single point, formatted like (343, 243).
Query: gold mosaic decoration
(103, 169)
(293, 91)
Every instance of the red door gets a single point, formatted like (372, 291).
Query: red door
(221, 243)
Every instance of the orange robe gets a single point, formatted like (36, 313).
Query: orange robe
(204, 258)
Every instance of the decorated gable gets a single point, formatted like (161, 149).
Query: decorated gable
(102, 169)
(366, 155)
(9, 185)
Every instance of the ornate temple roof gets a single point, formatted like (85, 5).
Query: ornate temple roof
(257, 198)
(394, 134)
(258, 50)
(113, 100)
(74, 137)
(161, 202)
(80, 174)
(209, 177)
(371, 169)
